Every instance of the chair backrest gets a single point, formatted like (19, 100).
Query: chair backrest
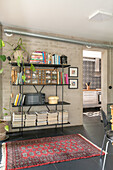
(105, 121)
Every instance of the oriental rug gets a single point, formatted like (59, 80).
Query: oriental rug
(36, 152)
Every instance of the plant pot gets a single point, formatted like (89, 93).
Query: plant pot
(20, 53)
(2, 130)
(88, 87)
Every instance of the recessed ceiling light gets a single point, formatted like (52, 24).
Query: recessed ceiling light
(100, 16)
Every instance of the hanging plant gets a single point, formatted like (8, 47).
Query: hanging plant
(16, 54)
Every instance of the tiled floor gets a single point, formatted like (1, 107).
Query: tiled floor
(92, 129)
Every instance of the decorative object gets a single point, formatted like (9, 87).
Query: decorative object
(73, 84)
(63, 59)
(88, 85)
(53, 99)
(36, 152)
(73, 71)
(3, 128)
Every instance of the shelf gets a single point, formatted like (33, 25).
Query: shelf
(46, 103)
(42, 65)
(40, 125)
(40, 84)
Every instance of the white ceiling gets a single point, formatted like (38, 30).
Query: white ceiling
(67, 17)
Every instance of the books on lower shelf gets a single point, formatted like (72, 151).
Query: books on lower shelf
(19, 99)
(39, 118)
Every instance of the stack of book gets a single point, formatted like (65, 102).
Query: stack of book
(65, 117)
(52, 117)
(30, 119)
(42, 118)
(38, 57)
(16, 119)
(19, 100)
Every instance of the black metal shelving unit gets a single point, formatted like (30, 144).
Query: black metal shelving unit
(62, 102)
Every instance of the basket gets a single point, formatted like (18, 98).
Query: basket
(2, 136)
(2, 131)
(53, 99)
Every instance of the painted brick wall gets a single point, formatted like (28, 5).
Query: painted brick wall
(0, 76)
(74, 54)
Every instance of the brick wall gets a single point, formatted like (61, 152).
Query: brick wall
(0, 76)
(74, 54)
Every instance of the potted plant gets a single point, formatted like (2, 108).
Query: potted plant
(17, 52)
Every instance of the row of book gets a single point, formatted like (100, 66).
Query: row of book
(40, 118)
(41, 57)
(62, 78)
(19, 99)
(19, 78)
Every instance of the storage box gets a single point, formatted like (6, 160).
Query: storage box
(53, 99)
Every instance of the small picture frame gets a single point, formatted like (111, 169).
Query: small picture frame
(73, 84)
(73, 72)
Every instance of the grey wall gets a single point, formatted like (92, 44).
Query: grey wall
(74, 54)
(89, 75)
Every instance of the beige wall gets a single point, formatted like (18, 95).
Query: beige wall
(0, 75)
(74, 54)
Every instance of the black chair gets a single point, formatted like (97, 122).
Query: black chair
(107, 135)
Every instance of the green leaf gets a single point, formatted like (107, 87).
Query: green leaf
(32, 68)
(2, 44)
(1, 71)
(2, 57)
(5, 114)
(24, 77)
(7, 128)
(4, 108)
(18, 61)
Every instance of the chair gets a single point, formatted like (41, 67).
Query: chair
(108, 135)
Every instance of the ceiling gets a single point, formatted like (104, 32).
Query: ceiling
(66, 17)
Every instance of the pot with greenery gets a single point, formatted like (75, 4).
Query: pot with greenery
(3, 127)
(17, 52)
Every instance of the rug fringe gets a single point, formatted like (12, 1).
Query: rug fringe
(3, 161)
(91, 142)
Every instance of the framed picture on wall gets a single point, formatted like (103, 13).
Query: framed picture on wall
(73, 72)
(73, 84)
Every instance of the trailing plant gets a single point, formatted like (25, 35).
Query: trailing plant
(13, 48)
(3, 121)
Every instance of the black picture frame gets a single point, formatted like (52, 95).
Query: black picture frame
(73, 84)
(73, 72)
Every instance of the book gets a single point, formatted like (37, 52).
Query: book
(58, 59)
(20, 100)
(20, 77)
(67, 81)
(16, 100)
(37, 53)
(17, 80)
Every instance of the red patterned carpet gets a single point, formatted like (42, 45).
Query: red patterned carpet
(42, 151)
